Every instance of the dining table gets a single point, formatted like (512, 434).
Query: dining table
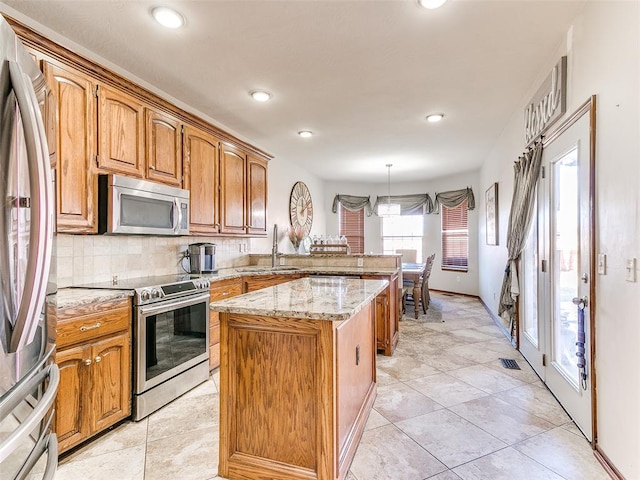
(412, 272)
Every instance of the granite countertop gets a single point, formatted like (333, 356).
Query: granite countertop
(74, 297)
(334, 299)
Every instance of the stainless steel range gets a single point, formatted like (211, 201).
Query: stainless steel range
(171, 337)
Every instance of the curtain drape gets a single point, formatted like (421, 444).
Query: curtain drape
(417, 204)
(352, 203)
(526, 174)
(454, 198)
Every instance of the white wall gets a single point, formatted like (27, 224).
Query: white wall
(281, 178)
(603, 59)
(441, 280)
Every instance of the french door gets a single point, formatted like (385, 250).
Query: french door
(556, 332)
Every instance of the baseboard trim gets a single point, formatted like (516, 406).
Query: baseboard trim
(613, 472)
(497, 321)
(493, 316)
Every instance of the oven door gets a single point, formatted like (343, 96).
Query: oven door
(171, 337)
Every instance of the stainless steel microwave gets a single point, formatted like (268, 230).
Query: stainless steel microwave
(138, 207)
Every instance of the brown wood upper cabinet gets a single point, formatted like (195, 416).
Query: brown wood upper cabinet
(72, 134)
(164, 148)
(120, 133)
(243, 192)
(201, 173)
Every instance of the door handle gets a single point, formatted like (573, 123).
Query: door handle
(581, 302)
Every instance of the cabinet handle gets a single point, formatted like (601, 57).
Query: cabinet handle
(84, 328)
(98, 359)
(224, 294)
(87, 361)
(151, 167)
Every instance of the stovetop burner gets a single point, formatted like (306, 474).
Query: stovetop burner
(155, 289)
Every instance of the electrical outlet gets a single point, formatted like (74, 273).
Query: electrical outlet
(281, 261)
(602, 264)
(458, 278)
(360, 261)
(630, 266)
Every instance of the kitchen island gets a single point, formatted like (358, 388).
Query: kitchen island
(297, 378)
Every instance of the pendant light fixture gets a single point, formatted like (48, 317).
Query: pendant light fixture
(388, 209)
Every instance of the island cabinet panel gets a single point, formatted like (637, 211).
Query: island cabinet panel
(299, 392)
(387, 315)
(71, 126)
(164, 148)
(120, 132)
(201, 174)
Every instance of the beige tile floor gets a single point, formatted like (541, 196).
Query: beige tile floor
(446, 410)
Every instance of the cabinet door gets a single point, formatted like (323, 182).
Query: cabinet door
(110, 381)
(71, 408)
(76, 186)
(164, 148)
(256, 195)
(120, 133)
(201, 165)
(232, 190)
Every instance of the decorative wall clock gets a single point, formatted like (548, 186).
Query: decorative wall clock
(301, 208)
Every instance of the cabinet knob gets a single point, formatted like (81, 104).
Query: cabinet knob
(98, 359)
(87, 361)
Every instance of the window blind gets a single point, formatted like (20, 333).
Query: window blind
(352, 227)
(455, 237)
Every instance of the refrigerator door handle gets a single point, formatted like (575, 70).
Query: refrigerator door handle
(46, 441)
(36, 416)
(40, 235)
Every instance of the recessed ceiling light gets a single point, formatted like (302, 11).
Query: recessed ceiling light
(305, 133)
(431, 4)
(260, 95)
(167, 17)
(435, 117)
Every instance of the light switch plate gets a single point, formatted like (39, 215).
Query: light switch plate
(602, 264)
(630, 267)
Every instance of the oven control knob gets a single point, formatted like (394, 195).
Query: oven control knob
(145, 295)
(155, 293)
(207, 283)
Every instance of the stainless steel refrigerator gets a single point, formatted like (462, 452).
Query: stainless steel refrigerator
(28, 377)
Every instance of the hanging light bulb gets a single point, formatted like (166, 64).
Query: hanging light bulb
(388, 209)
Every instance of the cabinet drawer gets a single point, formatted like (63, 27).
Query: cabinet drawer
(225, 289)
(81, 328)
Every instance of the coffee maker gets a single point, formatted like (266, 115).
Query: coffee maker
(202, 258)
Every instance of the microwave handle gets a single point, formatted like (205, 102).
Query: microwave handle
(178, 217)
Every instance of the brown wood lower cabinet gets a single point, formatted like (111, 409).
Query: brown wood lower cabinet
(94, 357)
(219, 290)
(299, 393)
(387, 315)
(253, 283)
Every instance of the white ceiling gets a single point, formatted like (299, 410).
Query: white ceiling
(361, 75)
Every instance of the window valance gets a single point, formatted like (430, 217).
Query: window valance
(454, 198)
(417, 204)
(352, 203)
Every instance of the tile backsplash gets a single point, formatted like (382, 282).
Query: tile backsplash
(97, 258)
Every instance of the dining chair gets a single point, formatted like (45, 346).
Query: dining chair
(425, 298)
(408, 256)
(424, 290)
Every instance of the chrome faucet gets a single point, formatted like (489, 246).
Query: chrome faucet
(274, 249)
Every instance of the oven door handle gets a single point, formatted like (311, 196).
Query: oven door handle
(166, 307)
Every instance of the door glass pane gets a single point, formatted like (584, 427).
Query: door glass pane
(565, 250)
(530, 278)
